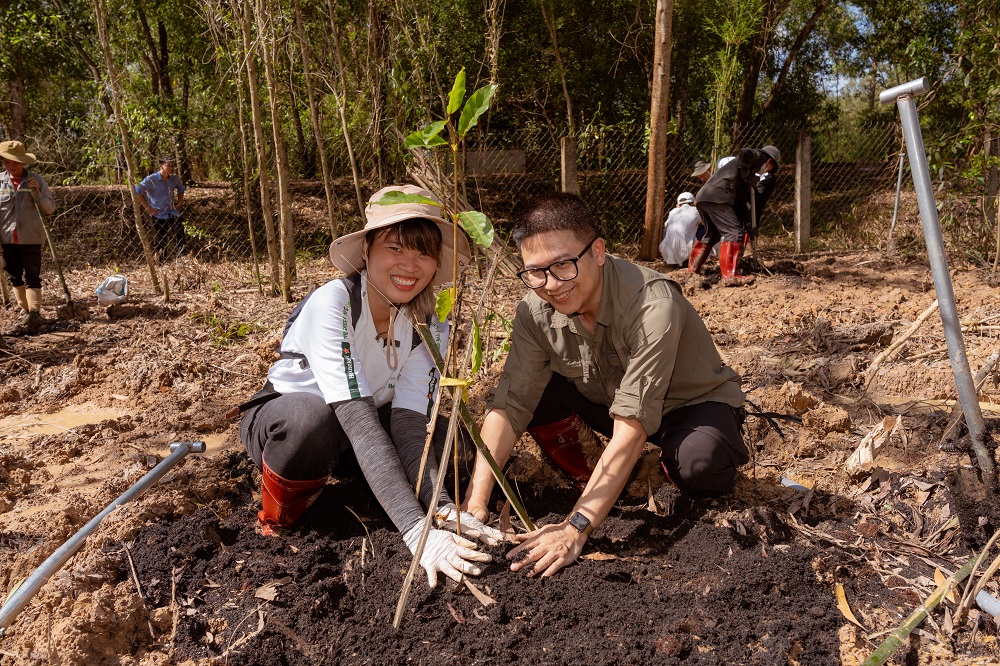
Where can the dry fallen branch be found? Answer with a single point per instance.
(898, 343)
(863, 458)
(946, 443)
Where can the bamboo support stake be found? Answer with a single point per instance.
(896, 639)
(470, 425)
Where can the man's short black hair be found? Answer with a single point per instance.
(167, 159)
(555, 211)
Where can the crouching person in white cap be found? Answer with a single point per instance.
(353, 375)
(679, 230)
(22, 234)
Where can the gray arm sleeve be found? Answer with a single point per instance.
(409, 433)
(379, 461)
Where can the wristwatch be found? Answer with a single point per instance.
(581, 523)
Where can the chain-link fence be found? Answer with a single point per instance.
(852, 169)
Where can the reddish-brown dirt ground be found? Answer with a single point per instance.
(180, 576)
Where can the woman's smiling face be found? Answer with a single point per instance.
(396, 272)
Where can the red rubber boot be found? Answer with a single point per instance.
(571, 445)
(699, 255)
(283, 501)
(729, 257)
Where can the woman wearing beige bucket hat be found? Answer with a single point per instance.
(354, 377)
(22, 233)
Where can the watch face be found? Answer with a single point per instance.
(579, 521)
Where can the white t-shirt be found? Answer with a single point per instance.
(678, 234)
(344, 361)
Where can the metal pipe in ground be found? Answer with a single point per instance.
(903, 97)
(22, 595)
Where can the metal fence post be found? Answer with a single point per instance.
(803, 188)
(968, 396)
(568, 165)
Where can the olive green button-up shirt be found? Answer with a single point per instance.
(649, 354)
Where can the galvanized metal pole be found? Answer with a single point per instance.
(967, 395)
(23, 594)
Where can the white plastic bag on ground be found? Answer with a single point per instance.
(113, 290)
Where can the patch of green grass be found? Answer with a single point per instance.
(224, 333)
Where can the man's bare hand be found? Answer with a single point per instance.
(32, 183)
(547, 550)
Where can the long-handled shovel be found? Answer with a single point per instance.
(71, 310)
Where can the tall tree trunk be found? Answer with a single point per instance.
(339, 93)
(657, 169)
(306, 156)
(100, 17)
(332, 205)
(376, 83)
(793, 52)
(268, 47)
(550, 22)
(242, 9)
(18, 121)
(773, 9)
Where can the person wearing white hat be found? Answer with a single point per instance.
(353, 375)
(679, 230)
(22, 233)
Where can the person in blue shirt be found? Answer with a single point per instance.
(161, 194)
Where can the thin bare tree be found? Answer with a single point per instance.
(242, 12)
(332, 205)
(268, 45)
(101, 17)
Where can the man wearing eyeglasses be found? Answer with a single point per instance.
(601, 344)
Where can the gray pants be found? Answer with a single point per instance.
(299, 436)
(721, 221)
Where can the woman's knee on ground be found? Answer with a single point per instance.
(300, 436)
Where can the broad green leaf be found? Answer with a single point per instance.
(478, 102)
(477, 347)
(478, 227)
(427, 137)
(445, 301)
(393, 197)
(457, 93)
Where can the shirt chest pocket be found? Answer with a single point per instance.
(6, 196)
(569, 368)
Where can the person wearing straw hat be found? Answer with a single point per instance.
(354, 377)
(22, 232)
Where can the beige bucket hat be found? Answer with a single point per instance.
(15, 150)
(346, 252)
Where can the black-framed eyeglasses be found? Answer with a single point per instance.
(562, 270)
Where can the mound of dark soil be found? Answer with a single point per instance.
(650, 589)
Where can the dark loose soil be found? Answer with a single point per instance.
(655, 589)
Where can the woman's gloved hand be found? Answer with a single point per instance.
(445, 519)
(445, 552)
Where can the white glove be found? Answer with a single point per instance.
(445, 552)
(445, 518)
